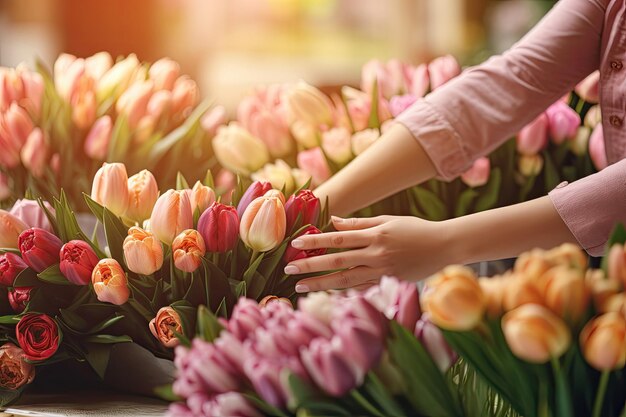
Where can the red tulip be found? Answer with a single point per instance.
(77, 261)
(40, 248)
(254, 191)
(10, 267)
(38, 335)
(305, 205)
(19, 298)
(219, 226)
(293, 254)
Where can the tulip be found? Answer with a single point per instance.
(397, 300)
(300, 178)
(580, 144)
(521, 290)
(442, 70)
(399, 104)
(40, 248)
(308, 104)
(597, 149)
(359, 106)
(245, 319)
(420, 81)
(165, 325)
(319, 305)
(23, 86)
(98, 138)
(187, 250)
(530, 166)
(110, 188)
(263, 224)
(337, 145)
(201, 197)
(219, 227)
(362, 311)
(109, 282)
(305, 206)
(603, 342)
(68, 72)
(389, 83)
(617, 263)
(213, 120)
(171, 215)
(314, 163)
(38, 335)
(232, 404)
(84, 106)
(10, 229)
(254, 191)
(278, 174)
(602, 288)
(34, 154)
(533, 137)
(589, 88)
(454, 299)
(159, 107)
(164, 73)
(328, 364)
(435, 344)
(184, 97)
(31, 213)
(133, 103)
(293, 254)
(19, 297)
(268, 299)
(117, 79)
(616, 303)
(565, 292)
(15, 371)
(568, 254)
(98, 64)
(15, 128)
(5, 189)
(593, 117)
(77, 261)
(478, 174)
(532, 264)
(10, 267)
(494, 290)
(239, 151)
(143, 192)
(363, 140)
(306, 135)
(264, 373)
(563, 122)
(143, 253)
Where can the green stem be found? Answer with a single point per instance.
(371, 410)
(597, 405)
(174, 281)
(254, 257)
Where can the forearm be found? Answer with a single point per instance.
(506, 232)
(395, 162)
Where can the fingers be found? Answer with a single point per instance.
(329, 262)
(339, 240)
(357, 224)
(349, 278)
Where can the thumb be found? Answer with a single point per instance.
(355, 223)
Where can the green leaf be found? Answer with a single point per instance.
(551, 175)
(26, 278)
(108, 339)
(51, 217)
(240, 289)
(209, 327)
(188, 316)
(247, 276)
(430, 203)
(115, 232)
(263, 406)
(381, 396)
(181, 182)
(301, 391)
(53, 275)
(221, 309)
(490, 192)
(96, 208)
(97, 355)
(106, 324)
(166, 393)
(120, 140)
(374, 121)
(74, 322)
(11, 319)
(208, 180)
(465, 201)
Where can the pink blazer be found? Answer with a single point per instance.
(476, 112)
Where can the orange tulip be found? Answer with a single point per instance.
(494, 289)
(454, 299)
(617, 303)
(143, 252)
(163, 326)
(603, 342)
(617, 264)
(109, 282)
(264, 222)
(143, 193)
(532, 264)
(201, 197)
(10, 229)
(188, 249)
(602, 288)
(110, 188)
(565, 292)
(171, 215)
(568, 254)
(535, 334)
(268, 299)
(521, 290)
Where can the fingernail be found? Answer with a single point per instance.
(337, 219)
(291, 270)
(297, 243)
(302, 288)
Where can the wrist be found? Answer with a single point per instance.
(461, 246)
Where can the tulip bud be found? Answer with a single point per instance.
(15, 128)
(116, 80)
(314, 163)
(232, 404)
(306, 135)
(494, 290)
(602, 288)
(219, 227)
(84, 107)
(521, 290)
(597, 148)
(171, 215)
(530, 166)
(19, 297)
(201, 197)
(98, 138)
(617, 263)
(533, 137)
(187, 250)
(397, 300)
(478, 174)
(308, 104)
(435, 344)
(293, 254)
(109, 282)
(163, 326)
(568, 254)
(454, 299)
(143, 193)
(164, 73)
(532, 264)
(268, 299)
(68, 70)
(143, 253)
(535, 334)
(110, 188)
(263, 224)
(213, 120)
(306, 206)
(442, 70)
(278, 174)
(254, 191)
(589, 88)
(133, 103)
(35, 153)
(363, 140)
(388, 77)
(15, 370)
(239, 151)
(40, 248)
(98, 64)
(77, 262)
(336, 143)
(593, 117)
(10, 229)
(617, 303)
(580, 144)
(10, 267)
(564, 122)
(420, 81)
(603, 342)
(399, 104)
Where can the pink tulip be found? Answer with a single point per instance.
(363, 140)
(171, 215)
(442, 70)
(40, 248)
(133, 103)
(10, 267)
(32, 214)
(478, 174)
(254, 191)
(564, 122)
(19, 297)
(15, 128)
(98, 138)
(314, 163)
(589, 88)
(160, 105)
(34, 154)
(264, 373)
(398, 104)
(164, 73)
(435, 344)
(337, 146)
(84, 107)
(68, 71)
(78, 260)
(533, 138)
(219, 226)
(213, 119)
(362, 340)
(246, 318)
(109, 282)
(110, 187)
(597, 150)
(359, 107)
(419, 81)
(232, 404)
(185, 97)
(397, 300)
(10, 229)
(143, 192)
(22, 86)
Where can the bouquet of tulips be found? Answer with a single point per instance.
(56, 128)
(65, 295)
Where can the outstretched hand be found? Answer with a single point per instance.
(405, 247)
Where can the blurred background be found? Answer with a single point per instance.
(228, 46)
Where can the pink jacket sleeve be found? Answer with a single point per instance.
(474, 113)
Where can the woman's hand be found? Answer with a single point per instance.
(405, 247)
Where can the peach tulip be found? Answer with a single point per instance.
(263, 223)
(171, 215)
(617, 303)
(164, 326)
(363, 140)
(521, 290)
(110, 187)
(10, 229)
(133, 103)
(565, 293)
(269, 299)
(239, 151)
(603, 342)
(494, 290)
(532, 264)
(143, 252)
(143, 192)
(202, 197)
(164, 73)
(213, 120)
(602, 288)
(185, 96)
(109, 282)
(117, 79)
(617, 264)
(597, 148)
(308, 104)
(187, 250)
(568, 254)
